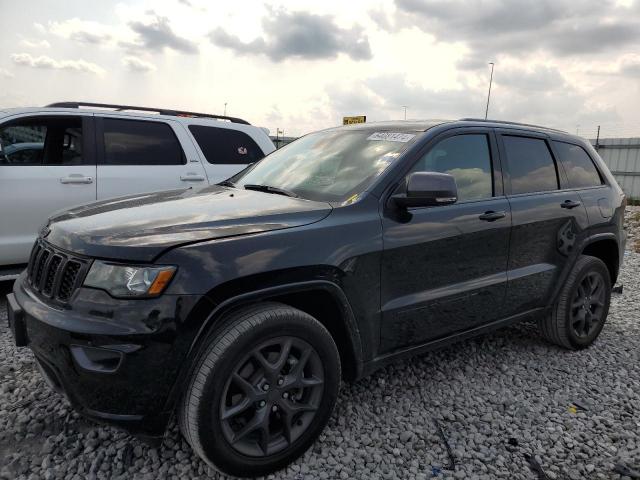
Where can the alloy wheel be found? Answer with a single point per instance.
(588, 304)
(272, 396)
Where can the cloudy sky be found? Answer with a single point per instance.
(302, 65)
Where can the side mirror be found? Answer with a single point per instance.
(427, 189)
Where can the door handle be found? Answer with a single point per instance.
(77, 179)
(192, 177)
(570, 204)
(492, 216)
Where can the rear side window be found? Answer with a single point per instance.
(531, 165)
(42, 141)
(137, 142)
(467, 159)
(580, 169)
(225, 145)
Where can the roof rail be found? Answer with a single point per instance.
(161, 111)
(510, 123)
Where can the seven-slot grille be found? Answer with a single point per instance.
(53, 273)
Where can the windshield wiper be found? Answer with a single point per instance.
(227, 183)
(270, 189)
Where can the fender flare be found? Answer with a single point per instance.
(236, 301)
(597, 237)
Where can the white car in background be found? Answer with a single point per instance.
(72, 153)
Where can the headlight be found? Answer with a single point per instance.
(129, 281)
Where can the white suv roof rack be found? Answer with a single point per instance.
(161, 111)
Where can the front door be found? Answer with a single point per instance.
(444, 268)
(47, 163)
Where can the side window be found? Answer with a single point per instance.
(580, 169)
(138, 142)
(467, 158)
(531, 165)
(42, 141)
(225, 145)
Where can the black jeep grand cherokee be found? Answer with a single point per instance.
(240, 307)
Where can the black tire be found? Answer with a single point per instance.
(566, 325)
(238, 349)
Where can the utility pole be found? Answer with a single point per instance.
(225, 109)
(405, 111)
(598, 138)
(486, 112)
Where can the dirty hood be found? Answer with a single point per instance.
(141, 227)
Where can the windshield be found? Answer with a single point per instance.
(331, 166)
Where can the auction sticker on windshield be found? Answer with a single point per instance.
(391, 136)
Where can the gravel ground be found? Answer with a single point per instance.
(632, 218)
(507, 385)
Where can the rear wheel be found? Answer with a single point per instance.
(262, 391)
(579, 314)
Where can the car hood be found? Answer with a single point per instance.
(140, 227)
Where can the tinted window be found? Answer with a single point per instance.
(579, 166)
(42, 141)
(531, 165)
(467, 159)
(134, 142)
(226, 146)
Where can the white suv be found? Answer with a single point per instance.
(72, 153)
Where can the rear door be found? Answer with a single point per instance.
(140, 155)
(47, 163)
(547, 220)
(226, 150)
(444, 268)
(584, 176)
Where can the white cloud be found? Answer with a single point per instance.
(35, 43)
(136, 64)
(5, 73)
(45, 62)
(40, 27)
(156, 34)
(299, 35)
(83, 31)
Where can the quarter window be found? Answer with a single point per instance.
(135, 142)
(531, 166)
(226, 145)
(42, 141)
(467, 158)
(580, 169)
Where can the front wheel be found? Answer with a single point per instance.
(262, 391)
(579, 314)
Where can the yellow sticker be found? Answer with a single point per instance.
(351, 199)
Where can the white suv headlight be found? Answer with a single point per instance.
(129, 280)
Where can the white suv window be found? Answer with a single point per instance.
(42, 141)
(137, 142)
(226, 145)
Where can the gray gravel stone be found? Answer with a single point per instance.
(509, 384)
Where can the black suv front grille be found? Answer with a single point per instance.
(55, 274)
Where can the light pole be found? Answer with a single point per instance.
(405, 111)
(486, 112)
(225, 109)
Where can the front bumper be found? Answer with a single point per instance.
(115, 360)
